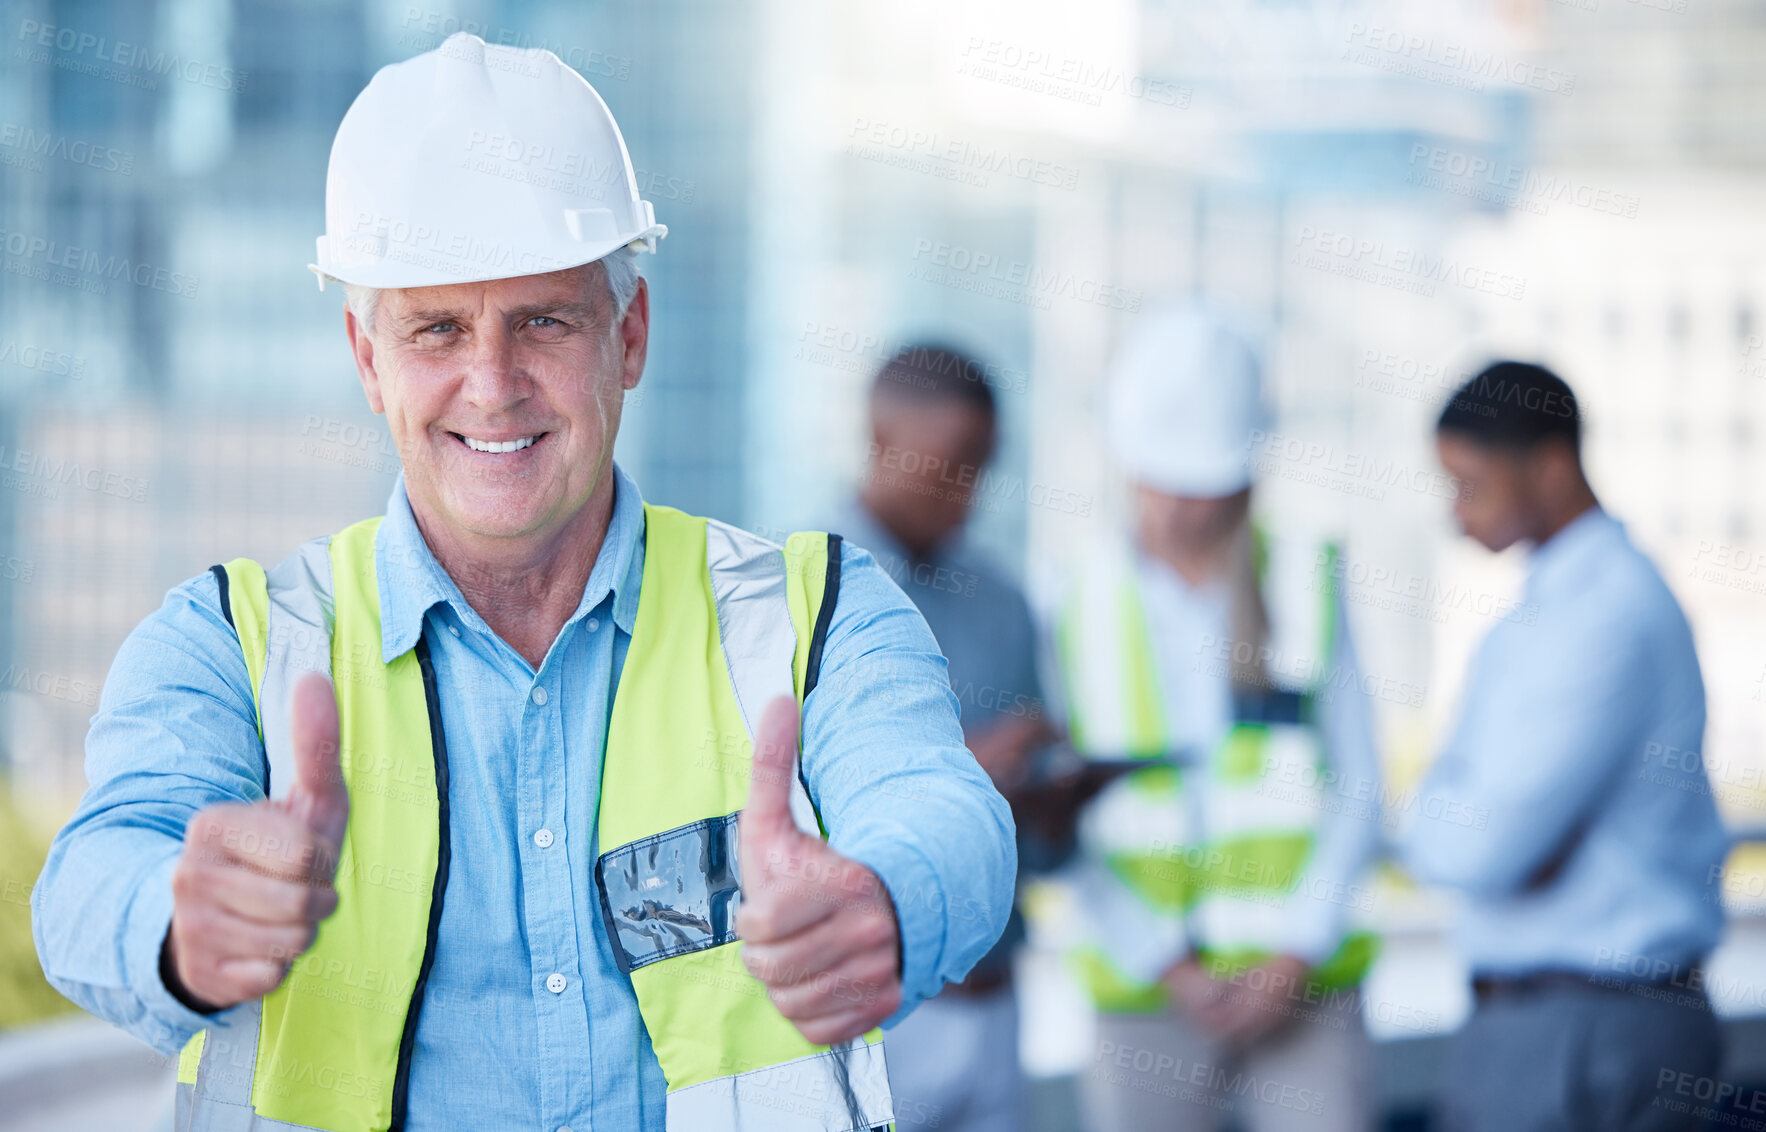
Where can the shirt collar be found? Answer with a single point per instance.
(1566, 554)
(412, 582)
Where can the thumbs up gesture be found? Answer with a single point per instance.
(254, 881)
(818, 929)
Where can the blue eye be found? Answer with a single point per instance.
(544, 318)
(441, 327)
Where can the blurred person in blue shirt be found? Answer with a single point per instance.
(954, 1062)
(1561, 808)
(491, 873)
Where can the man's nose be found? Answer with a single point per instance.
(494, 376)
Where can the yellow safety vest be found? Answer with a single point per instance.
(1206, 857)
(726, 621)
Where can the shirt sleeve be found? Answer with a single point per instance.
(1536, 745)
(1348, 829)
(175, 732)
(896, 787)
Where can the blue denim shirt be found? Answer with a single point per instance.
(495, 1047)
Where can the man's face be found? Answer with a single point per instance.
(503, 397)
(1495, 499)
(1166, 520)
(932, 453)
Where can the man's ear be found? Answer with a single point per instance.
(362, 347)
(1556, 468)
(634, 332)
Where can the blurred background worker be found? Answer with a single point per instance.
(1585, 852)
(954, 1062)
(1218, 877)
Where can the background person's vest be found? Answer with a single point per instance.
(1208, 856)
(726, 621)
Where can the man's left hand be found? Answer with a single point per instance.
(818, 929)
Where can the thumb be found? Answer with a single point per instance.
(766, 819)
(319, 797)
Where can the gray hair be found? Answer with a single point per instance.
(619, 268)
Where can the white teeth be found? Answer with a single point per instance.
(498, 445)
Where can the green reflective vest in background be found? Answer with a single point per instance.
(1205, 856)
(726, 621)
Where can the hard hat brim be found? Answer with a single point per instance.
(389, 275)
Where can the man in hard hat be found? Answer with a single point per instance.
(1569, 806)
(954, 1063)
(491, 874)
(1210, 661)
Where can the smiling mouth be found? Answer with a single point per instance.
(497, 446)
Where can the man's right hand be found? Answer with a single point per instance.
(254, 881)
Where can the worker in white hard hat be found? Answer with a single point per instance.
(1205, 662)
(528, 804)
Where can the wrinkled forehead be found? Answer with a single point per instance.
(578, 288)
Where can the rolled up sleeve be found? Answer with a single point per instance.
(175, 732)
(898, 790)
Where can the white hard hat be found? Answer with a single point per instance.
(1184, 398)
(477, 161)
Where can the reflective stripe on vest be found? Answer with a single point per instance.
(1209, 856)
(725, 621)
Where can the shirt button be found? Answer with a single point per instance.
(564, 1128)
(555, 983)
(542, 838)
(539, 696)
(594, 623)
(454, 629)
